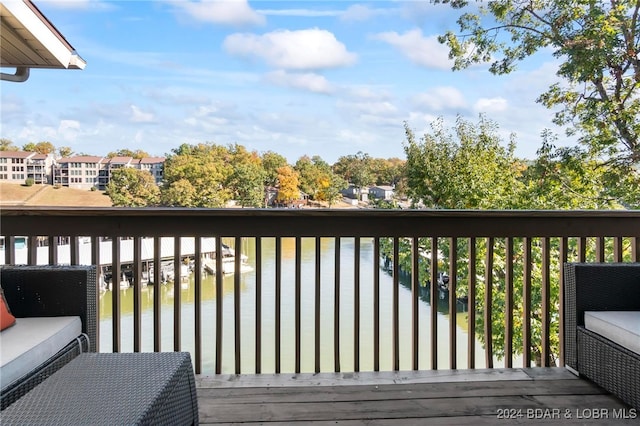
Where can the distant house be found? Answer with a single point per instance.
(271, 198)
(18, 166)
(381, 192)
(85, 171)
(356, 193)
(155, 166)
(80, 171)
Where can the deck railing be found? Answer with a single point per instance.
(506, 264)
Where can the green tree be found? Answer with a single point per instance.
(246, 184)
(7, 145)
(180, 193)
(271, 162)
(387, 171)
(65, 151)
(196, 175)
(331, 186)
(129, 187)
(355, 169)
(467, 169)
(569, 179)
(125, 152)
(597, 42)
(470, 168)
(40, 147)
(318, 180)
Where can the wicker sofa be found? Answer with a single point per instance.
(591, 290)
(55, 293)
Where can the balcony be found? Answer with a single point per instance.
(332, 315)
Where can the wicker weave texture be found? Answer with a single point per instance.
(610, 365)
(596, 287)
(20, 388)
(601, 287)
(113, 389)
(53, 290)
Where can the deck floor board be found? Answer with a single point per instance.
(540, 397)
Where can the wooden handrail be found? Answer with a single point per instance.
(517, 236)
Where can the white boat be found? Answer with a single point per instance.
(124, 283)
(228, 265)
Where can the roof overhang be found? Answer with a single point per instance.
(29, 40)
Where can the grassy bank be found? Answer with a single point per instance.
(12, 194)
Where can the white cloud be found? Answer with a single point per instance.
(301, 50)
(311, 82)
(358, 12)
(370, 108)
(300, 13)
(440, 99)
(225, 12)
(68, 130)
(491, 105)
(423, 51)
(139, 116)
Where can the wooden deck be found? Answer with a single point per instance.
(462, 397)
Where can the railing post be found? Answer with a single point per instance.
(488, 304)
(317, 295)
(356, 304)
(471, 305)
(508, 312)
(526, 304)
(157, 300)
(415, 294)
(434, 302)
(395, 328)
(219, 284)
(258, 292)
(177, 293)
(546, 315)
(453, 309)
(278, 285)
(336, 307)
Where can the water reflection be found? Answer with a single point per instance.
(247, 303)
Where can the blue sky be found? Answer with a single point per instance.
(310, 77)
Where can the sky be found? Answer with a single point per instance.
(327, 78)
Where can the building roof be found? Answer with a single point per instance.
(121, 160)
(30, 40)
(152, 160)
(81, 159)
(16, 154)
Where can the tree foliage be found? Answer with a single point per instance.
(246, 181)
(129, 187)
(598, 44)
(468, 168)
(289, 186)
(65, 151)
(195, 176)
(318, 180)
(355, 169)
(126, 152)
(40, 147)
(271, 162)
(7, 145)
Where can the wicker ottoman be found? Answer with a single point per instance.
(113, 389)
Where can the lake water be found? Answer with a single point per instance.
(247, 297)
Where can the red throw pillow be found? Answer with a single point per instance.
(6, 319)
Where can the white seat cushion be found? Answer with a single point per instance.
(622, 327)
(32, 341)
